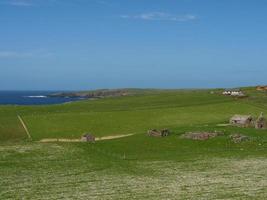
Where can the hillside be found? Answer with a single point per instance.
(137, 166)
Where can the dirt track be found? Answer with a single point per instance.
(79, 140)
(24, 127)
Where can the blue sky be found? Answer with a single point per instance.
(89, 44)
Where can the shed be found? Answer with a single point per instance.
(157, 133)
(88, 138)
(261, 88)
(261, 122)
(241, 120)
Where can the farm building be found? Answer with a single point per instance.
(241, 120)
(261, 122)
(234, 92)
(88, 138)
(156, 133)
(262, 88)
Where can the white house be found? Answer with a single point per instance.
(233, 93)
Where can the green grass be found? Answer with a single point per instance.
(134, 114)
(11, 129)
(72, 125)
(135, 167)
(138, 166)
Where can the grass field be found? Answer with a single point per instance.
(134, 167)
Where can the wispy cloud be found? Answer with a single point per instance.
(161, 16)
(13, 54)
(103, 2)
(17, 54)
(23, 3)
(29, 3)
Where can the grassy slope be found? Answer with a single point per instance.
(125, 115)
(10, 127)
(136, 167)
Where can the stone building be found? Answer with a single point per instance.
(241, 120)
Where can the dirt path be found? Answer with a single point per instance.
(113, 137)
(79, 140)
(223, 125)
(25, 127)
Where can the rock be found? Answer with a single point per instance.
(238, 138)
(201, 135)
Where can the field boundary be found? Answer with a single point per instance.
(24, 127)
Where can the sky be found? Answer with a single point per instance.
(92, 44)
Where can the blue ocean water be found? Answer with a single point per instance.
(31, 98)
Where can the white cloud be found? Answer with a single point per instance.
(161, 16)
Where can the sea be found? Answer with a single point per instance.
(32, 98)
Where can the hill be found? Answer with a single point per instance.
(137, 166)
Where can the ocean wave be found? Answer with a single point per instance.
(38, 96)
